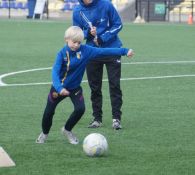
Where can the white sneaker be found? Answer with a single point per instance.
(116, 124)
(71, 137)
(42, 138)
(95, 124)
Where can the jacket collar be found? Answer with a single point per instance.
(70, 51)
(93, 3)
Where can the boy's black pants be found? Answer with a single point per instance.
(95, 74)
(53, 99)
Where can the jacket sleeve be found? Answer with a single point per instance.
(56, 73)
(77, 22)
(115, 24)
(95, 52)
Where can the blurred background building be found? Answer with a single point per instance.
(130, 10)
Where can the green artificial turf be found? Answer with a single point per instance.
(158, 109)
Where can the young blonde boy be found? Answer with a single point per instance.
(67, 74)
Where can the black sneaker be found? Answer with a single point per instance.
(95, 124)
(116, 124)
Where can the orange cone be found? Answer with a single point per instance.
(190, 19)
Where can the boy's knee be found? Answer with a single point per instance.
(80, 110)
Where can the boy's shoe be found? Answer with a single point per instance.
(95, 124)
(71, 137)
(42, 138)
(116, 124)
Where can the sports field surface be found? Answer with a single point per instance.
(158, 84)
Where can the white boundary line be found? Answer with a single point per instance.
(19, 72)
(84, 81)
(161, 62)
(122, 79)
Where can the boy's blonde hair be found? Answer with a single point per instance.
(74, 33)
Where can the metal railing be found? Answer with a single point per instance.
(148, 10)
(165, 10)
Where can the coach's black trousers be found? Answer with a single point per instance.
(95, 74)
(53, 100)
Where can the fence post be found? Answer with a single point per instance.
(9, 10)
(168, 7)
(192, 9)
(148, 10)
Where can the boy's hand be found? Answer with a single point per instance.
(130, 53)
(64, 92)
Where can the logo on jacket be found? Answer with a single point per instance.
(118, 61)
(102, 20)
(78, 55)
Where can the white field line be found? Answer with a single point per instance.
(161, 62)
(19, 72)
(122, 79)
(84, 81)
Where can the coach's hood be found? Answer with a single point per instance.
(93, 3)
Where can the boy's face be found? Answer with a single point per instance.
(87, 2)
(73, 45)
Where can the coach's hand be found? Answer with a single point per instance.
(93, 31)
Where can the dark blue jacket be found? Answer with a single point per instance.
(69, 67)
(103, 15)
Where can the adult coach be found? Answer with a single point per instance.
(101, 23)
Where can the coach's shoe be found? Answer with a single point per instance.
(71, 137)
(42, 138)
(95, 124)
(116, 124)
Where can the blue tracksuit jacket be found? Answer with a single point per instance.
(69, 66)
(102, 15)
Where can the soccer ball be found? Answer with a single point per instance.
(95, 145)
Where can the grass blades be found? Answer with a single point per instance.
(158, 113)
